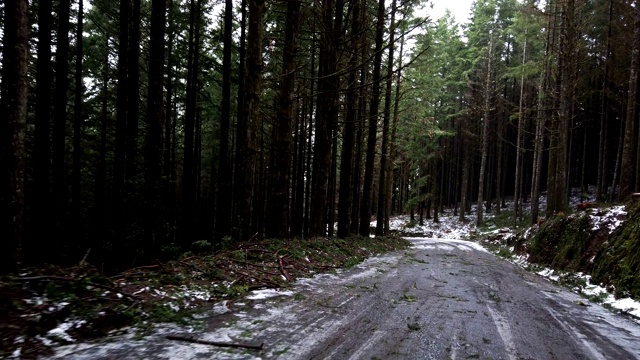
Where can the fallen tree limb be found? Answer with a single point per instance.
(215, 343)
(283, 271)
(257, 265)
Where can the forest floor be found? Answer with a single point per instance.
(42, 308)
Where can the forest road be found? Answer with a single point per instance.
(441, 299)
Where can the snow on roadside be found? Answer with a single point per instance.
(611, 218)
(594, 292)
(449, 227)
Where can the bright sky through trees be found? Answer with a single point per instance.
(460, 9)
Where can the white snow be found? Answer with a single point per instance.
(450, 232)
(268, 293)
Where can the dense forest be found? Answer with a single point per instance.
(134, 130)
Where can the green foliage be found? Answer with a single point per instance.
(504, 219)
(201, 247)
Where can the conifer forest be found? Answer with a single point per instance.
(133, 130)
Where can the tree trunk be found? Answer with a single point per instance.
(629, 148)
(188, 165)
(13, 118)
(485, 133)
(520, 137)
(246, 163)
(169, 168)
(365, 207)
(77, 121)
(224, 198)
(384, 156)
(133, 102)
(345, 198)
(325, 116)
(59, 189)
(390, 164)
(119, 166)
(278, 210)
(42, 165)
(101, 170)
(153, 138)
(601, 182)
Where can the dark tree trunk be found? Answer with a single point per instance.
(629, 147)
(325, 116)
(169, 187)
(223, 205)
(278, 210)
(121, 126)
(153, 138)
(362, 109)
(345, 198)
(392, 151)
(601, 182)
(59, 189)
(101, 169)
(307, 190)
(42, 164)
(13, 118)
(247, 125)
(520, 136)
(77, 122)
(486, 123)
(133, 102)
(384, 156)
(365, 207)
(188, 167)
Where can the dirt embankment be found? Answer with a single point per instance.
(598, 242)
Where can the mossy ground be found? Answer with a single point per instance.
(569, 243)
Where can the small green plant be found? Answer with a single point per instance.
(201, 247)
(414, 326)
(351, 262)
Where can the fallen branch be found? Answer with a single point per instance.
(263, 282)
(257, 265)
(283, 270)
(215, 343)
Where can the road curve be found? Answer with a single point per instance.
(441, 299)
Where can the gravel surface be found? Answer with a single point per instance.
(441, 299)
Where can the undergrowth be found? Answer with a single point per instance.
(92, 305)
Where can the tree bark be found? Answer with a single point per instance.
(601, 181)
(77, 121)
(325, 117)
(153, 138)
(384, 156)
(42, 159)
(485, 132)
(629, 147)
(520, 136)
(59, 189)
(365, 207)
(224, 198)
(278, 206)
(13, 118)
(246, 168)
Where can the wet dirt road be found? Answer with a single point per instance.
(441, 299)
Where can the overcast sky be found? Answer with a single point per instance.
(459, 8)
